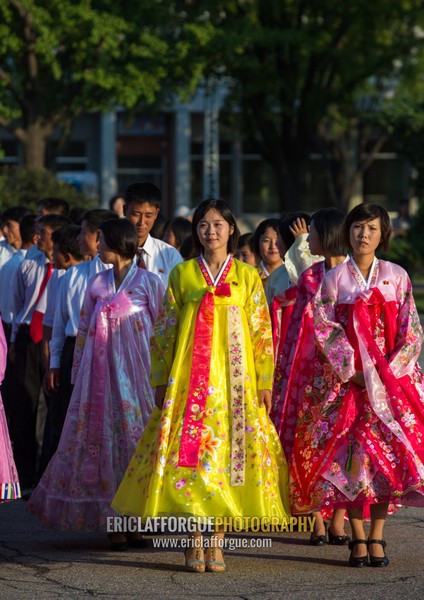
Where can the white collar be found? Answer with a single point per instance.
(264, 269)
(216, 279)
(148, 245)
(370, 276)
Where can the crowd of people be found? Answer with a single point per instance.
(207, 373)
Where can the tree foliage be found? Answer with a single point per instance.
(59, 59)
(300, 71)
(26, 187)
(331, 78)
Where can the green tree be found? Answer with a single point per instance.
(59, 59)
(298, 71)
(22, 186)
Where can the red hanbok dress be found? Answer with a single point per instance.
(296, 356)
(358, 446)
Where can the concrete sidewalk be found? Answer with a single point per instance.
(38, 563)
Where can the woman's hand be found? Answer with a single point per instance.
(298, 227)
(358, 379)
(160, 393)
(265, 400)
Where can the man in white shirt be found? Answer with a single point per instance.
(25, 352)
(12, 248)
(7, 310)
(66, 254)
(11, 218)
(142, 206)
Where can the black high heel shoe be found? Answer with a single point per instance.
(357, 561)
(378, 561)
(317, 540)
(338, 540)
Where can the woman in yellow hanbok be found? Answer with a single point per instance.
(212, 451)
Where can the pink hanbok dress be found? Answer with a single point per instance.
(358, 446)
(110, 405)
(281, 311)
(296, 357)
(9, 483)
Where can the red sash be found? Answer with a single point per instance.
(200, 368)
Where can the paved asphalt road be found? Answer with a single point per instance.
(40, 564)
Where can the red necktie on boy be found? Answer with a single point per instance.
(36, 326)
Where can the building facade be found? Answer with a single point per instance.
(190, 155)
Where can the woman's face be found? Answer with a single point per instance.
(106, 254)
(169, 238)
(268, 247)
(365, 237)
(214, 231)
(246, 255)
(313, 239)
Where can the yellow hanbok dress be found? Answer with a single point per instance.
(211, 451)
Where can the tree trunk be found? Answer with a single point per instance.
(34, 141)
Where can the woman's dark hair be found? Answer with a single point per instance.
(247, 239)
(368, 212)
(186, 249)
(285, 224)
(328, 223)
(120, 236)
(260, 230)
(181, 228)
(223, 209)
(159, 225)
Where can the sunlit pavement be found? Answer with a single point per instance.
(39, 563)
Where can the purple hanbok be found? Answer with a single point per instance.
(9, 484)
(110, 405)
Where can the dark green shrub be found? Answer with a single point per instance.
(26, 187)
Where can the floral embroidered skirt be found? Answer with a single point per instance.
(344, 455)
(155, 484)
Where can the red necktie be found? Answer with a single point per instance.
(140, 258)
(36, 326)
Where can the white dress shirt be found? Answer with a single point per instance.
(7, 275)
(6, 252)
(160, 258)
(33, 252)
(47, 303)
(26, 288)
(69, 303)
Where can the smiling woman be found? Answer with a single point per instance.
(212, 449)
(266, 247)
